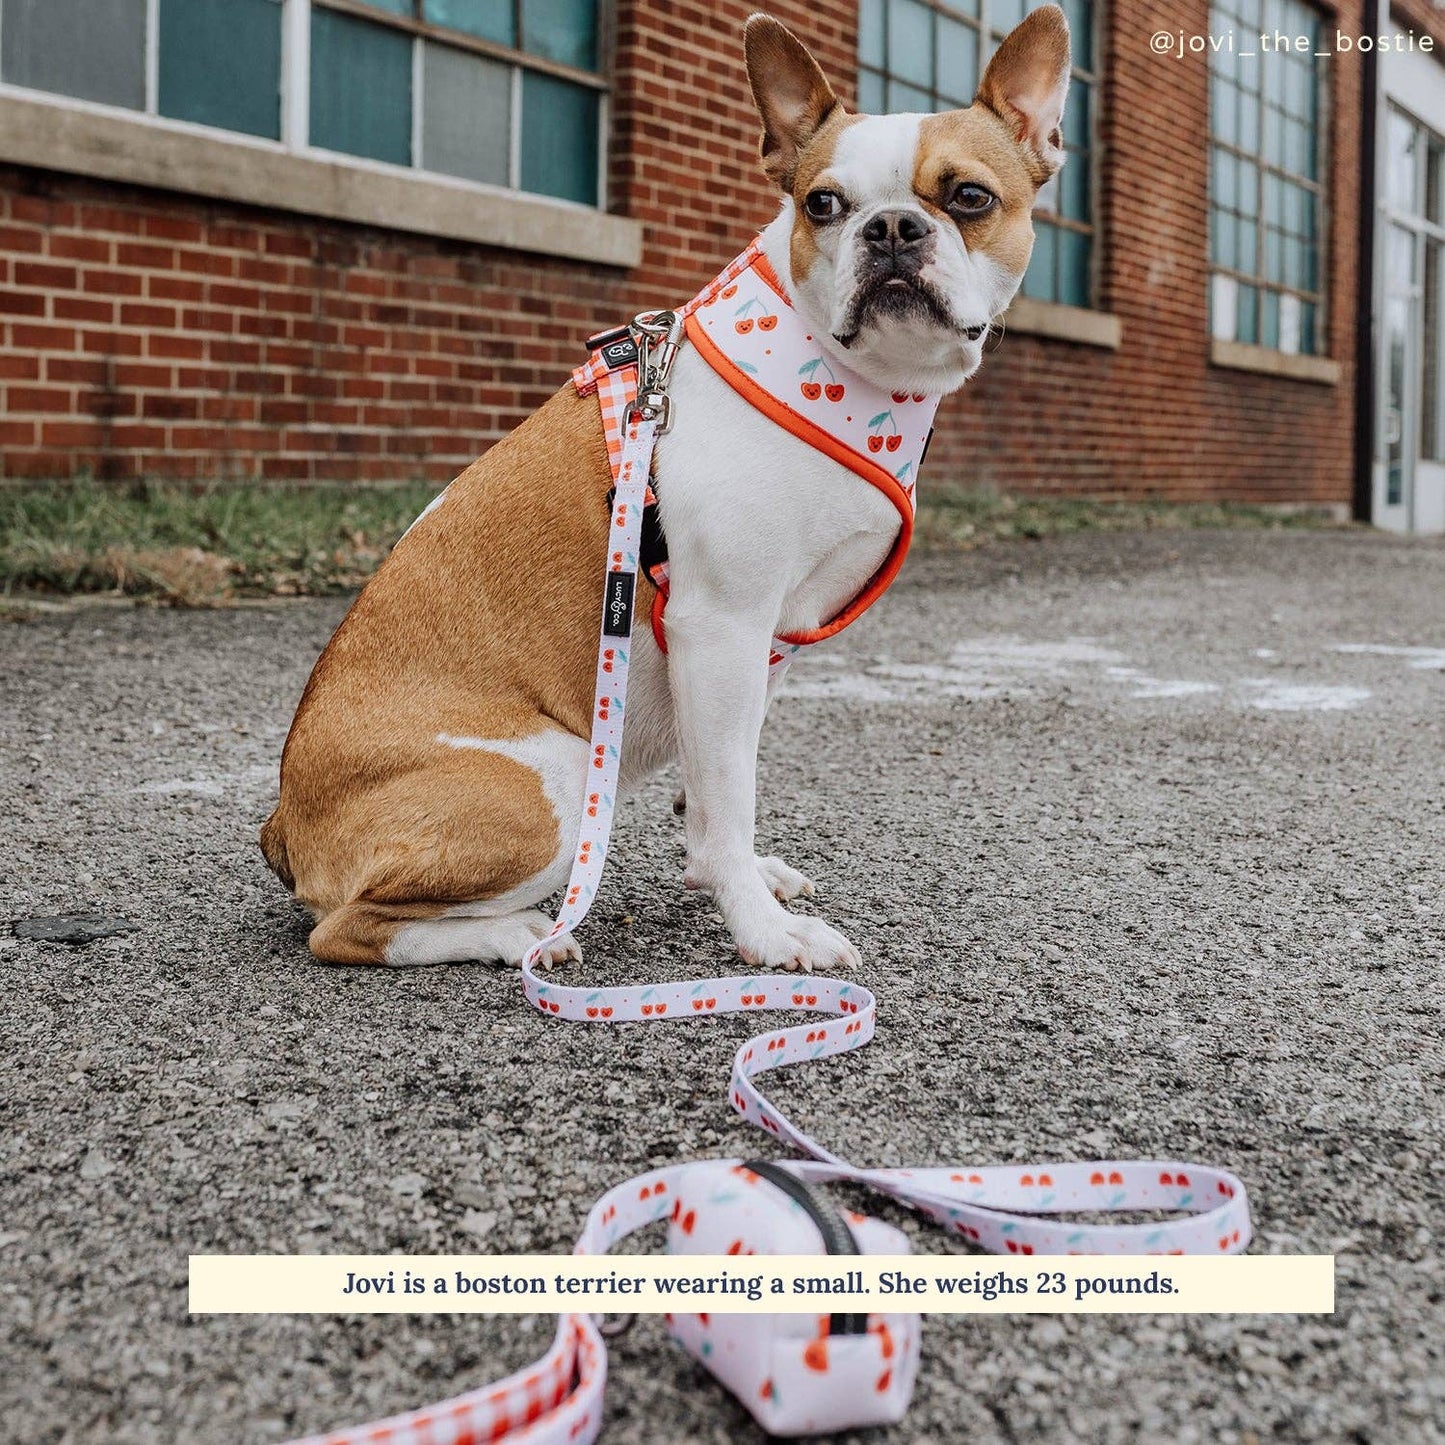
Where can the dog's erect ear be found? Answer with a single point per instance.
(1025, 85)
(792, 95)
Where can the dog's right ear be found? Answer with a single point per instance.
(792, 94)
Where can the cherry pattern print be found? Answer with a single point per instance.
(809, 393)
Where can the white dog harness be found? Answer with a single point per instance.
(745, 327)
(1013, 1209)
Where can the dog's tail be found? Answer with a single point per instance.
(273, 847)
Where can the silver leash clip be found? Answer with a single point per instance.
(659, 335)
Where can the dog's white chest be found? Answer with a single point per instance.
(748, 504)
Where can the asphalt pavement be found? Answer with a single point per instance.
(1142, 838)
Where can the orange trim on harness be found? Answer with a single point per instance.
(829, 445)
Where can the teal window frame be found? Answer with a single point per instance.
(1268, 170)
(1064, 268)
(563, 46)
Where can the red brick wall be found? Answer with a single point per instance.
(153, 334)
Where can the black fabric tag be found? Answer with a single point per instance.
(616, 347)
(617, 604)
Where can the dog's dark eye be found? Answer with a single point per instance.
(971, 200)
(824, 205)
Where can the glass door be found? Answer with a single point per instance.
(1409, 480)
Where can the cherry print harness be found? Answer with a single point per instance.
(1012, 1209)
(744, 326)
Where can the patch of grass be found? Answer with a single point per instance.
(204, 546)
(198, 546)
(964, 517)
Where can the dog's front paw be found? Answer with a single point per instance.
(784, 882)
(798, 943)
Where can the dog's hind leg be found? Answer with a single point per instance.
(395, 935)
(447, 860)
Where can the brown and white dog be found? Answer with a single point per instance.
(432, 782)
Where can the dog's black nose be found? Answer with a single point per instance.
(890, 232)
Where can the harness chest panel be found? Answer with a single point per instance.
(744, 326)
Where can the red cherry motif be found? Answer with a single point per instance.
(766, 323)
(900, 396)
(797, 998)
(744, 326)
(647, 1010)
(893, 442)
(607, 1013)
(661, 1008)
(815, 1355)
(766, 1392)
(884, 1380)
(875, 444)
(729, 292)
(592, 1011)
(834, 392)
(918, 396)
(812, 390)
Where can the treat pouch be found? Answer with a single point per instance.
(797, 1374)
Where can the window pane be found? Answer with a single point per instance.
(1289, 324)
(1269, 330)
(1221, 239)
(1223, 186)
(466, 114)
(1248, 193)
(1402, 139)
(1222, 306)
(1244, 315)
(870, 33)
(559, 138)
(1246, 235)
(1076, 115)
(910, 44)
(1309, 338)
(1074, 188)
(1003, 15)
(870, 91)
(1073, 268)
(1039, 278)
(561, 30)
(360, 87)
(957, 59)
(1273, 256)
(1222, 109)
(220, 64)
(907, 97)
(1081, 31)
(486, 19)
(76, 47)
